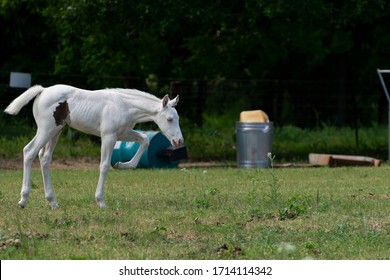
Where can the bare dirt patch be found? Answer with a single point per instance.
(63, 163)
(93, 163)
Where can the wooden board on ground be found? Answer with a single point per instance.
(342, 160)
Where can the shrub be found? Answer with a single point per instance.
(215, 140)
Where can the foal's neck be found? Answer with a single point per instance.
(141, 100)
(145, 105)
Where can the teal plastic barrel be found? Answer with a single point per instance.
(152, 156)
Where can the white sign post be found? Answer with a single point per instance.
(19, 80)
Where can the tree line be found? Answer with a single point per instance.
(220, 55)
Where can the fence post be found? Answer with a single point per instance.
(380, 72)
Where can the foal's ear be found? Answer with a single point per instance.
(174, 101)
(165, 101)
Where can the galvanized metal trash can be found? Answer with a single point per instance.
(253, 143)
(159, 154)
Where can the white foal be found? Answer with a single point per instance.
(108, 113)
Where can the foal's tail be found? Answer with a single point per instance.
(22, 100)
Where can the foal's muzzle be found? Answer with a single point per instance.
(177, 142)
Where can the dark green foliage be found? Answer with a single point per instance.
(306, 53)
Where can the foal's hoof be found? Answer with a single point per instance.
(22, 204)
(102, 205)
(55, 206)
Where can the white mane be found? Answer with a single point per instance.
(135, 93)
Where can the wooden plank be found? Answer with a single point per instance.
(319, 159)
(343, 160)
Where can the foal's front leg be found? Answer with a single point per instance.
(108, 143)
(134, 136)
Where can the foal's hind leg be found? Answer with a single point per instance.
(30, 152)
(45, 157)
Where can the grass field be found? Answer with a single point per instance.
(217, 213)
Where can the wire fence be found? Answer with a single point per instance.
(303, 103)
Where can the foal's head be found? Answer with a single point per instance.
(168, 121)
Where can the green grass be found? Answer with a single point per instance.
(84, 146)
(318, 213)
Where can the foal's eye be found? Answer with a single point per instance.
(169, 119)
